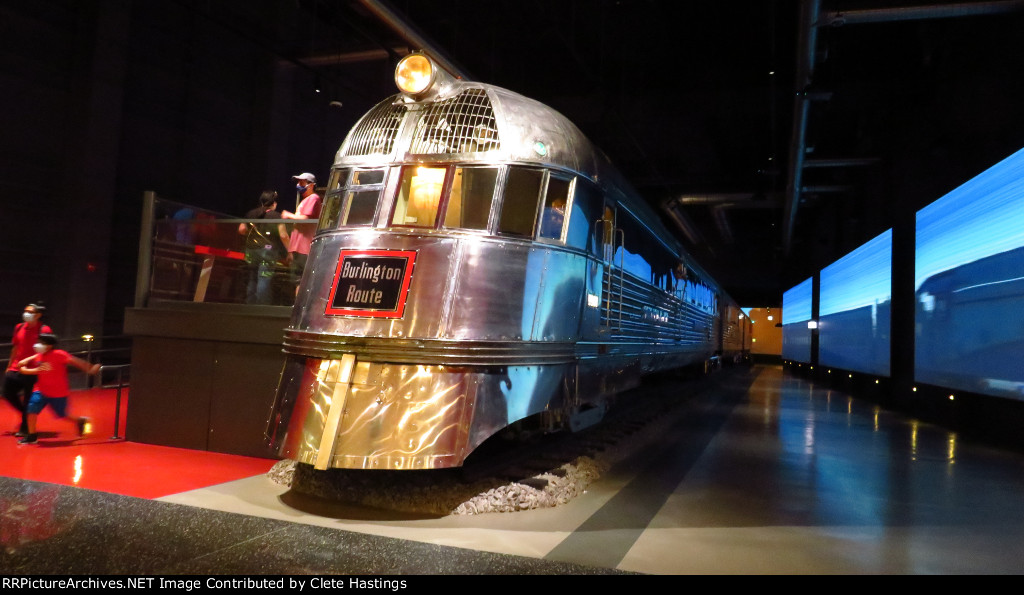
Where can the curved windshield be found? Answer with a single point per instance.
(419, 194)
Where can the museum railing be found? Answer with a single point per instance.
(190, 254)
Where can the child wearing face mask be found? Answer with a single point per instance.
(49, 365)
(17, 386)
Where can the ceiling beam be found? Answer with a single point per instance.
(840, 162)
(839, 18)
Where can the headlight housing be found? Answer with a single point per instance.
(415, 74)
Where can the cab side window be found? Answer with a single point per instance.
(351, 201)
(469, 202)
(519, 207)
(360, 207)
(554, 213)
(331, 210)
(583, 225)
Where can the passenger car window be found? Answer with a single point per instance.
(469, 202)
(642, 254)
(519, 207)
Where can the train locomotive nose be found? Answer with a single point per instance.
(367, 415)
(478, 265)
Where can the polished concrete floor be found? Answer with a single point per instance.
(762, 473)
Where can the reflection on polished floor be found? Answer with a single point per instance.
(763, 473)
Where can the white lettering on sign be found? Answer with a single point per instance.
(372, 273)
(363, 296)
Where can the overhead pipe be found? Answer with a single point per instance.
(722, 222)
(729, 200)
(823, 189)
(400, 25)
(683, 223)
(806, 43)
(713, 198)
(840, 162)
(839, 18)
(353, 57)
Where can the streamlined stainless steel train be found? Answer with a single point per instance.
(479, 265)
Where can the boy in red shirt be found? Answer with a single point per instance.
(17, 386)
(50, 367)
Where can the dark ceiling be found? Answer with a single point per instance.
(696, 102)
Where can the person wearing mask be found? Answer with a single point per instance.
(17, 386)
(50, 366)
(264, 248)
(554, 216)
(302, 235)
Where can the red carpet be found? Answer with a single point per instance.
(104, 463)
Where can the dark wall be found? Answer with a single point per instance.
(55, 195)
(105, 99)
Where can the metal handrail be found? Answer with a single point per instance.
(5, 348)
(117, 405)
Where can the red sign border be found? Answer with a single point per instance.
(403, 293)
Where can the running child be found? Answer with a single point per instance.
(50, 366)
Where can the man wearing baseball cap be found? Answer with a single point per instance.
(302, 235)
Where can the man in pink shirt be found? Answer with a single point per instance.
(17, 386)
(49, 365)
(302, 235)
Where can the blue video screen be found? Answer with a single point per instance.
(796, 312)
(969, 282)
(854, 309)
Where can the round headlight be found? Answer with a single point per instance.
(414, 74)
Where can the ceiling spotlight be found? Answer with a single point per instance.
(335, 104)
